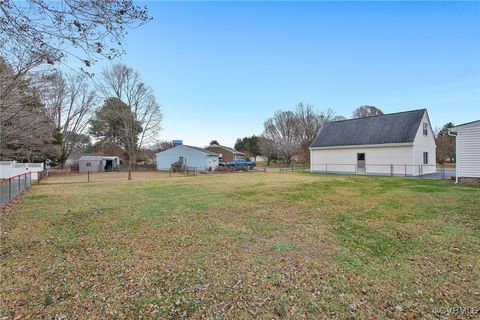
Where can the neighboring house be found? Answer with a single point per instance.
(97, 164)
(188, 156)
(226, 154)
(73, 158)
(467, 150)
(392, 144)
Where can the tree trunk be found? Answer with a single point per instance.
(132, 159)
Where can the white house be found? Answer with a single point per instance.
(392, 144)
(467, 149)
(188, 156)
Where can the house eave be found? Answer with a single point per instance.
(382, 145)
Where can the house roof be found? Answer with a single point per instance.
(203, 150)
(192, 147)
(95, 158)
(400, 127)
(232, 150)
(91, 158)
(464, 124)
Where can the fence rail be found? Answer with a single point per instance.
(11, 187)
(406, 170)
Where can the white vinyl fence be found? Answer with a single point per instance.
(16, 177)
(10, 169)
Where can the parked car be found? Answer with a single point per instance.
(245, 163)
(222, 164)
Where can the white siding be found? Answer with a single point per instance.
(10, 169)
(377, 158)
(192, 158)
(423, 144)
(468, 150)
(95, 166)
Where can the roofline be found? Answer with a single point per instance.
(193, 148)
(464, 124)
(380, 115)
(226, 148)
(380, 145)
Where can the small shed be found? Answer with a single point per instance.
(188, 156)
(467, 150)
(98, 164)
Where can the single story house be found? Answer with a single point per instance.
(97, 164)
(392, 144)
(188, 156)
(467, 148)
(226, 154)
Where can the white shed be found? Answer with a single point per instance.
(188, 156)
(97, 164)
(392, 144)
(467, 149)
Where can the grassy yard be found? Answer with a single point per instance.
(256, 245)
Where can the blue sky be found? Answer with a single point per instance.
(219, 69)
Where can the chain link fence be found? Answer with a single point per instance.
(10, 188)
(405, 170)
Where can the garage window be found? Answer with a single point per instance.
(88, 164)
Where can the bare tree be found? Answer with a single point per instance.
(281, 129)
(366, 111)
(267, 148)
(308, 124)
(143, 112)
(70, 102)
(54, 30)
(292, 132)
(162, 146)
(445, 144)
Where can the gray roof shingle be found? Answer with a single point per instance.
(201, 150)
(400, 127)
(232, 150)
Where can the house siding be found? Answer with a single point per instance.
(192, 158)
(423, 144)
(468, 150)
(96, 166)
(377, 158)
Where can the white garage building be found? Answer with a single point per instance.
(188, 156)
(392, 144)
(467, 150)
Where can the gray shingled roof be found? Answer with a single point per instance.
(95, 158)
(90, 158)
(202, 150)
(227, 148)
(398, 127)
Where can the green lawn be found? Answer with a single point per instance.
(245, 245)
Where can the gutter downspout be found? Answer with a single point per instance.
(454, 134)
